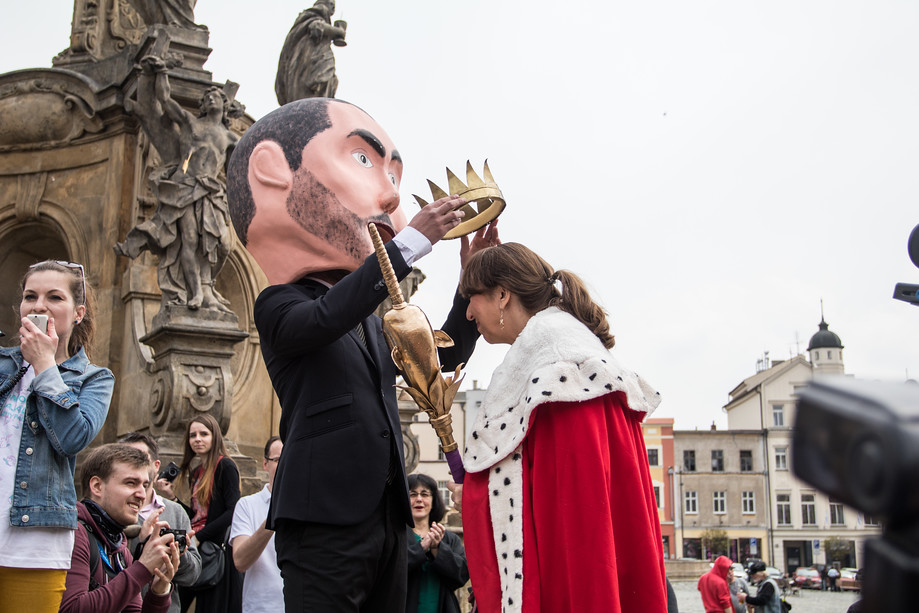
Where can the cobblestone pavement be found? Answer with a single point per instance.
(808, 601)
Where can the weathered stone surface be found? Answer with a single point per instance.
(73, 182)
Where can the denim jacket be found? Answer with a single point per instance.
(65, 410)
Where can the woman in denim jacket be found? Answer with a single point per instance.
(53, 402)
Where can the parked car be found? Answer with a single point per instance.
(849, 579)
(807, 578)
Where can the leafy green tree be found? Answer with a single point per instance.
(715, 542)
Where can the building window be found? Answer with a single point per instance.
(717, 461)
(871, 520)
(747, 503)
(690, 503)
(653, 457)
(829, 355)
(689, 461)
(778, 415)
(746, 461)
(837, 517)
(808, 510)
(444, 493)
(657, 495)
(718, 503)
(781, 458)
(440, 454)
(783, 509)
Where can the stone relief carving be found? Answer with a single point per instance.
(44, 109)
(306, 68)
(189, 230)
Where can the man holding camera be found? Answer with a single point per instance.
(172, 513)
(103, 576)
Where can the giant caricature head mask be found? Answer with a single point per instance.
(304, 181)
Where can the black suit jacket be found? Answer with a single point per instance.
(339, 416)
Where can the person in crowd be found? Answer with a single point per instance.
(738, 585)
(253, 544)
(714, 587)
(104, 577)
(436, 558)
(53, 402)
(303, 183)
(558, 507)
(832, 575)
(212, 481)
(768, 596)
(172, 513)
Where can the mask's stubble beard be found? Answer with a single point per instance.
(317, 210)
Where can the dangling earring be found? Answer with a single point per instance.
(501, 318)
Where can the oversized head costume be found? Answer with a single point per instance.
(303, 183)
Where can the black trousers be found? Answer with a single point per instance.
(347, 569)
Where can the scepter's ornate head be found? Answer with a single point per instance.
(485, 195)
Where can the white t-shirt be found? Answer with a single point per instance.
(262, 586)
(19, 546)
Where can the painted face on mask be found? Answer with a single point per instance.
(317, 219)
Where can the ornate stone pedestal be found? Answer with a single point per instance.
(192, 375)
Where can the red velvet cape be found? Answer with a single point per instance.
(591, 533)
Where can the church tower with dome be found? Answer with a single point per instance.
(825, 351)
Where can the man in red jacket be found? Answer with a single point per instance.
(716, 595)
(103, 576)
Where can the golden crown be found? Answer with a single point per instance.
(486, 195)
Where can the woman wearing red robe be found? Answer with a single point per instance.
(558, 507)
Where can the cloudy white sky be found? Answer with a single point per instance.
(712, 169)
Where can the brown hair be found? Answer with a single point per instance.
(100, 462)
(530, 278)
(142, 437)
(81, 335)
(204, 487)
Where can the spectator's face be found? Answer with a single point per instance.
(421, 499)
(122, 494)
(271, 462)
(200, 438)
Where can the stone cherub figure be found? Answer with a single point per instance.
(306, 68)
(189, 230)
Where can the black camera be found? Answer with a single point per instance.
(179, 535)
(858, 441)
(170, 472)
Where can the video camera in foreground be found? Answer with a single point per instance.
(858, 441)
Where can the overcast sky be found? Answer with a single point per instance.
(712, 169)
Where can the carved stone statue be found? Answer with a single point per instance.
(306, 68)
(167, 12)
(189, 230)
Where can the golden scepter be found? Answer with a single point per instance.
(413, 343)
(408, 332)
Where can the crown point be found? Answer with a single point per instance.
(421, 201)
(436, 192)
(456, 186)
(487, 173)
(472, 179)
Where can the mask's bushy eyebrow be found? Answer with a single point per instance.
(371, 140)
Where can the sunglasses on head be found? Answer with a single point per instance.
(71, 266)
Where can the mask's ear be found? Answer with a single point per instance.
(268, 167)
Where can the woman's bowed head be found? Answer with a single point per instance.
(59, 291)
(507, 284)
